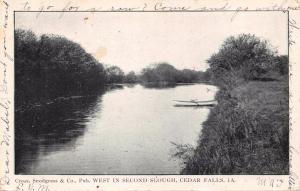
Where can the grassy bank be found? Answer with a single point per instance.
(246, 133)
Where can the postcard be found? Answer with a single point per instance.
(149, 95)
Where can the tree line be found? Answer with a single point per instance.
(155, 73)
(49, 66)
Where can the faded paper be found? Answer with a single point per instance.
(11, 181)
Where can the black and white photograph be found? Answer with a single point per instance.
(151, 93)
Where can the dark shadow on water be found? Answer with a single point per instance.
(159, 85)
(51, 127)
(154, 85)
(112, 87)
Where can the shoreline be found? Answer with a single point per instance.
(246, 133)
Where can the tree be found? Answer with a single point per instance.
(245, 56)
(162, 72)
(166, 73)
(114, 74)
(52, 66)
(190, 76)
(148, 74)
(282, 64)
(131, 77)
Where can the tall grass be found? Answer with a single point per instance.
(246, 133)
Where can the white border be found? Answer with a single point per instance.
(9, 181)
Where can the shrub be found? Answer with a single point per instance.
(246, 55)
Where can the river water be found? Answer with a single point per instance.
(125, 130)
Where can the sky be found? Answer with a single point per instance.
(134, 40)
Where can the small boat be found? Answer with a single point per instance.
(195, 103)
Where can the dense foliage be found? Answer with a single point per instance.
(114, 74)
(282, 65)
(162, 73)
(166, 73)
(131, 77)
(245, 57)
(247, 132)
(52, 66)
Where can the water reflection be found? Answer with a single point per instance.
(51, 127)
(126, 129)
(159, 85)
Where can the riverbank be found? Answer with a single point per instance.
(246, 133)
